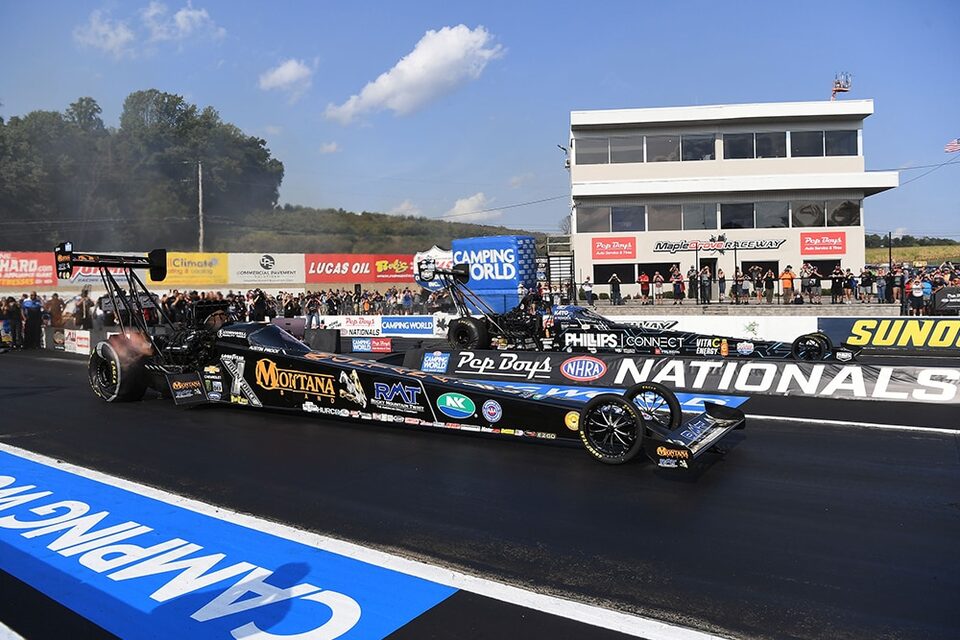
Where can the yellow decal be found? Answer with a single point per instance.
(271, 377)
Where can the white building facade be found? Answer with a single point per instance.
(773, 185)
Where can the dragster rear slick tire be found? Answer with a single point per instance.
(656, 403)
(611, 429)
(114, 378)
(468, 333)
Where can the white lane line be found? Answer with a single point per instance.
(625, 623)
(851, 423)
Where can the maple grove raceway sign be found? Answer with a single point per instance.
(718, 244)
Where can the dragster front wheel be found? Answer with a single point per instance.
(115, 373)
(611, 429)
(656, 403)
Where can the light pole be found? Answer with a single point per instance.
(200, 203)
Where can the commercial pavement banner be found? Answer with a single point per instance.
(266, 268)
(905, 335)
(851, 381)
(197, 269)
(358, 268)
(27, 269)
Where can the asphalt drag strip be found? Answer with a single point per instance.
(802, 530)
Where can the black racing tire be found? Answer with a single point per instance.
(468, 333)
(113, 378)
(656, 403)
(611, 429)
(811, 346)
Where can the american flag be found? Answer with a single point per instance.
(952, 146)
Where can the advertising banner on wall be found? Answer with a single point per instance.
(266, 268)
(358, 268)
(198, 269)
(609, 248)
(823, 243)
(946, 301)
(27, 269)
(782, 378)
(922, 335)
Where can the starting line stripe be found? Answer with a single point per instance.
(444, 581)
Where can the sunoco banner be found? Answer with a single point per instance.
(927, 335)
(786, 378)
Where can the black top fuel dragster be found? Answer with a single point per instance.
(259, 366)
(534, 326)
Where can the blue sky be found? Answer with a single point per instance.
(478, 130)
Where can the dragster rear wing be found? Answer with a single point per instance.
(155, 261)
(695, 437)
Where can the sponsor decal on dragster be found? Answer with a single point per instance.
(849, 381)
(435, 362)
(583, 368)
(504, 365)
(271, 377)
(456, 405)
(186, 388)
(143, 568)
(351, 389)
(398, 396)
(240, 390)
(492, 411)
(623, 340)
(689, 402)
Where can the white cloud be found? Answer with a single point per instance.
(405, 208)
(518, 181)
(292, 76)
(899, 232)
(472, 209)
(185, 23)
(439, 63)
(273, 130)
(110, 36)
(329, 147)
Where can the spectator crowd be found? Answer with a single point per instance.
(22, 318)
(912, 287)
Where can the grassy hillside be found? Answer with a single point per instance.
(933, 254)
(302, 229)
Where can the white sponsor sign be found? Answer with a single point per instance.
(353, 326)
(266, 268)
(76, 341)
(782, 328)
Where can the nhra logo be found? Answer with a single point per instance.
(267, 262)
(583, 369)
(591, 340)
(456, 405)
(745, 348)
